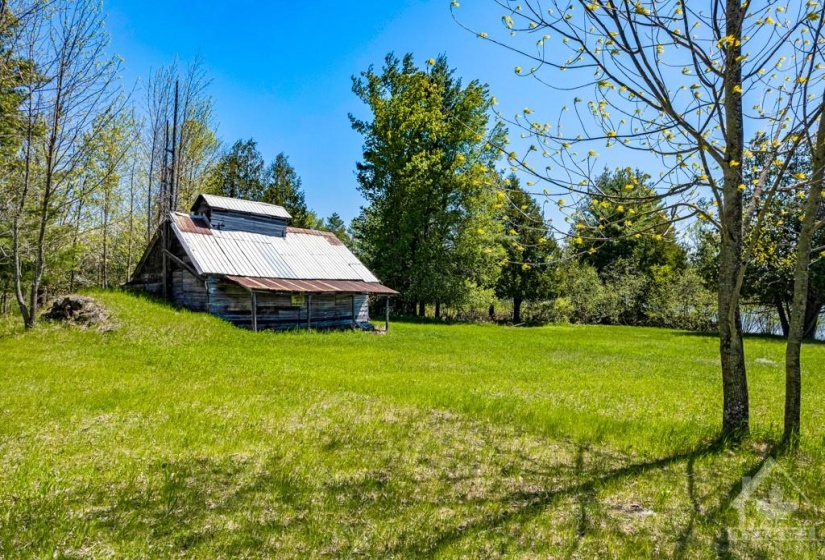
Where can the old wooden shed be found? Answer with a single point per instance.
(241, 261)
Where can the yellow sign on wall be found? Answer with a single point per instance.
(298, 300)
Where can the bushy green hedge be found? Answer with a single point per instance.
(622, 296)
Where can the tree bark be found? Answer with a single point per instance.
(735, 411)
(783, 317)
(20, 209)
(438, 310)
(492, 312)
(812, 310)
(793, 348)
(422, 310)
(517, 310)
(104, 283)
(75, 242)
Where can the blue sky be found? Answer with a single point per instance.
(281, 70)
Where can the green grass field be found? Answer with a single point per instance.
(178, 435)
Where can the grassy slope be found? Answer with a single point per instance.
(177, 434)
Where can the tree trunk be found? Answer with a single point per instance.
(793, 348)
(422, 309)
(75, 242)
(812, 310)
(492, 312)
(131, 223)
(20, 209)
(438, 310)
(735, 411)
(783, 317)
(104, 281)
(149, 190)
(517, 310)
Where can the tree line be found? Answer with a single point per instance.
(86, 164)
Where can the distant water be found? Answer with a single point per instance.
(765, 320)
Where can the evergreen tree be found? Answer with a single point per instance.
(282, 186)
(335, 224)
(623, 223)
(239, 172)
(769, 276)
(530, 247)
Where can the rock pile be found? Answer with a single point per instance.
(79, 310)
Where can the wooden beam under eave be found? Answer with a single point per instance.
(175, 259)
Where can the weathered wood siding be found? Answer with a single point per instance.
(232, 221)
(189, 291)
(150, 276)
(275, 310)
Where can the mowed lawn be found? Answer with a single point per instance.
(178, 435)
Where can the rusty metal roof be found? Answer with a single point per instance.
(192, 224)
(300, 255)
(311, 286)
(243, 206)
(328, 234)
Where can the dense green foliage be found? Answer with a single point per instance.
(531, 249)
(282, 186)
(622, 223)
(459, 441)
(335, 224)
(769, 276)
(429, 228)
(239, 172)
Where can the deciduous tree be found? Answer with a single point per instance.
(70, 85)
(683, 82)
(428, 228)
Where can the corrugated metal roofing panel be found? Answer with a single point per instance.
(328, 234)
(311, 286)
(246, 206)
(300, 255)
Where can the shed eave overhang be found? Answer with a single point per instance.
(311, 286)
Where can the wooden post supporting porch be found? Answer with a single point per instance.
(309, 312)
(354, 317)
(387, 314)
(254, 311)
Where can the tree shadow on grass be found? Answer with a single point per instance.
(524, 507)
(169, 503)
(714, 515)
(237, 507)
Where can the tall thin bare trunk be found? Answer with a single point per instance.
(131, 222)
(793, 348)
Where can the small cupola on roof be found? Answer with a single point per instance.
(232, 214)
